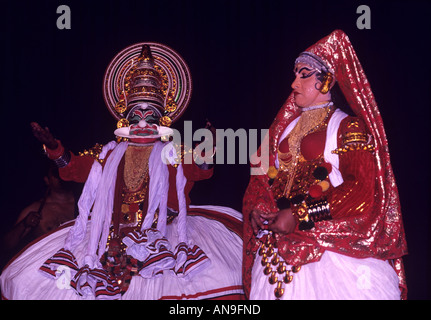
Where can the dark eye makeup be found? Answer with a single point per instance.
(305, 72)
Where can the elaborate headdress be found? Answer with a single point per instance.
(150, 73)
(315, 62)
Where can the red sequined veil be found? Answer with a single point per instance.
(377, 233)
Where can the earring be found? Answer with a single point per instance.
(120, 106)
(326, 83)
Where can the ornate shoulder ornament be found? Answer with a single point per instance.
(93, 152)
(354, 137)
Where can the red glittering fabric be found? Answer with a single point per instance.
(369, 222)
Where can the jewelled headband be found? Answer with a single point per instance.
(313, 61)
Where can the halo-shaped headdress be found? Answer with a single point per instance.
(147, 72)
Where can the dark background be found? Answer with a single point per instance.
(241, 56)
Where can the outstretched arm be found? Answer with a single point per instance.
(71, 167)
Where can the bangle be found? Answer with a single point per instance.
(60, 156)
(310, 212)
(319, 210)
(63, 160)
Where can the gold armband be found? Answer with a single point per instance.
(354, 137)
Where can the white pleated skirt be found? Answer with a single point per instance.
(334, 277)
(23, 280)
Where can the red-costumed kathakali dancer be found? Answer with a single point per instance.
(322, 217)
(137, 236)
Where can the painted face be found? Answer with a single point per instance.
(143, 114)
(142, 122)
(306, 86)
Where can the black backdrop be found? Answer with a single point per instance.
(241, 55)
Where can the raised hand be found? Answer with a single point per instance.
(44, 135)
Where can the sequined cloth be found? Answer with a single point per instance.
(379, 231)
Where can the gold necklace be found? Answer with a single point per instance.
(309, 121)
(136, 166)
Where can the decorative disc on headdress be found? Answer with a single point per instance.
(160, 77)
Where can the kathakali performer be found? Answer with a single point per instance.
(137, 236)
(322, 217)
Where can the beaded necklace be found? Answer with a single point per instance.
(311, 120)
